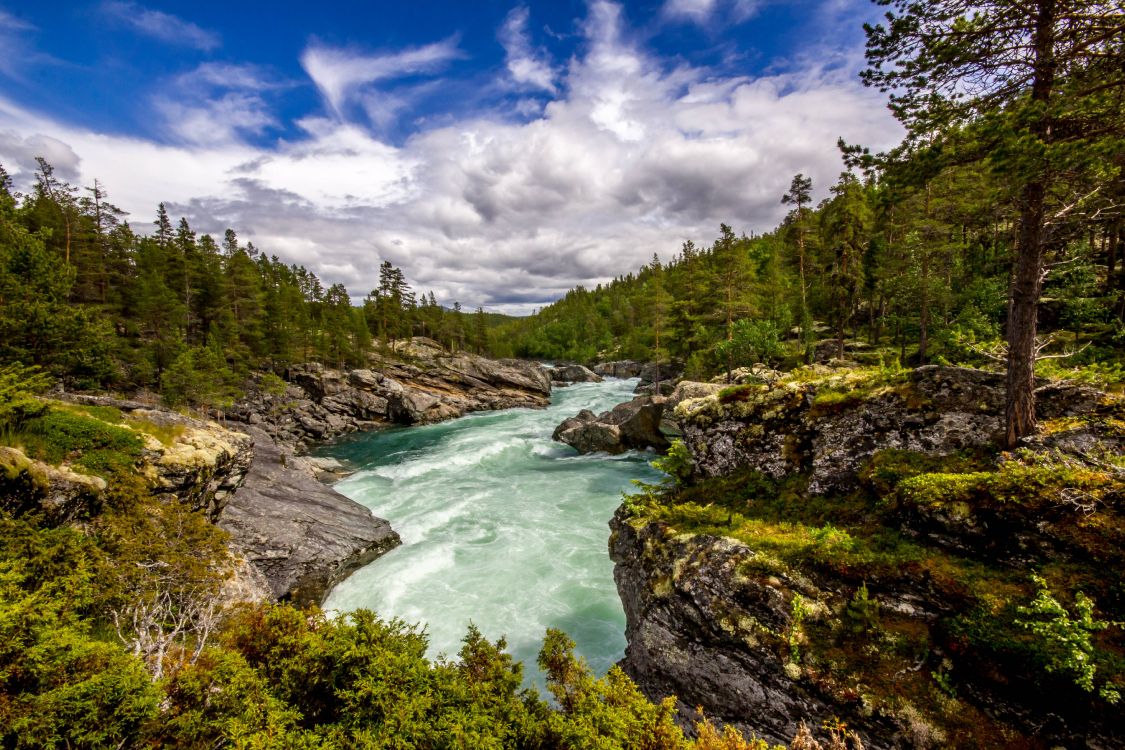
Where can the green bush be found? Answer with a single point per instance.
(63, 434)
(1067, 637)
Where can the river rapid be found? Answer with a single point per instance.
(500, 526)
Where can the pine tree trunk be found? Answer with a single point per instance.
(1023, 308)
(1027, 278)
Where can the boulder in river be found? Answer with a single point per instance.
(566, 374)
(633, 425)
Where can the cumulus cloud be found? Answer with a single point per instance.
(634, 156)
(21, 153)
(338, 72)
(526, 65)
(162, 26)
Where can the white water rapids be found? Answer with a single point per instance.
(500, 526)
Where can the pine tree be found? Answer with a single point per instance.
(799, 195)
(1042, 104)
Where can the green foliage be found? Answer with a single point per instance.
(1067, 636)
(199, 376)
(862, 611)
(67, 434)
(18, 388)
(59, 685)
(798, 611)
(1030, 480)
(676, 463)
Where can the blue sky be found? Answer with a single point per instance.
(499, 152)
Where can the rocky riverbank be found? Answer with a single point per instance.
(424, 384)
(296, 536)
(850, 546)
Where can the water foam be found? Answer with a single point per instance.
(501, 527)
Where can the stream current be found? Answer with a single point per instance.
(500, 526)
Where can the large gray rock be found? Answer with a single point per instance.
(574, 374)
(303, 536)
(701, 629)
(633, 425)
(625, 368)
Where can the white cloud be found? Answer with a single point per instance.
(339, 72)
(526, 65)
(695, 10)
(162, 26)
(705, 12)
(218, 103)
(633, 157)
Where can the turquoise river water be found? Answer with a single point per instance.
(500, 526)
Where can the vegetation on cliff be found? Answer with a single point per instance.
(942, 593)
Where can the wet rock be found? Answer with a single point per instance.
(574, 374)
(625, 368)
(633, 425)
(303, 536)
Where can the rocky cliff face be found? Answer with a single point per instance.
(853, 548)
(296, 537)
(828, 424)
(303, 536)
(320, 403)
(700, 628)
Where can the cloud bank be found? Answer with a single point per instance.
(630, 155)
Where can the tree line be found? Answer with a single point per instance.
(98, 304)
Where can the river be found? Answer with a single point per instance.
(500, 526)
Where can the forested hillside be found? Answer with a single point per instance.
(921, 272)
(99, 304)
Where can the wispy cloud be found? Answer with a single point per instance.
(163, 26)
(694, 10)
(8, 22)
(17, 50)
(525, 64)
(339, 72)
(705, 12)
(217, 103)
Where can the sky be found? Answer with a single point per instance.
(499, 153)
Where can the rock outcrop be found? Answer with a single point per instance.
(699, 628)
(830, 424)
(302, 535)
(567, 374)
(189, 460)
(319, 403)
(853, 549)
(670, 374)
(633, 425)
(293, 535)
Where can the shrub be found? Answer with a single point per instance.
(1067, 638)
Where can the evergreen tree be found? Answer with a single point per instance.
(1037, 86)
(799, 196)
